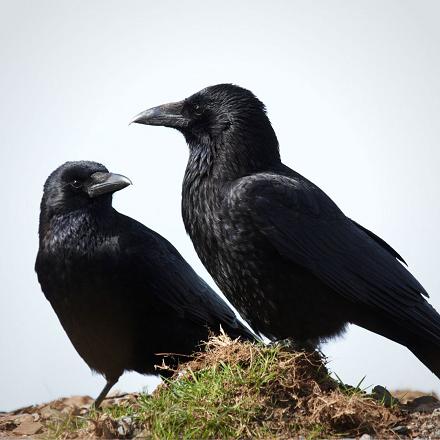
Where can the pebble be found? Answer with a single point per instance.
(47, 412)
(403, 430)
(28, 428)
(382, 395)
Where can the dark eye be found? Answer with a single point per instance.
(76, 184)
(197, 110)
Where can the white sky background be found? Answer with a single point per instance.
(352, 89)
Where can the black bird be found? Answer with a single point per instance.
(123, 294)
(277, 246)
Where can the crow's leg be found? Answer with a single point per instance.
(103, 393)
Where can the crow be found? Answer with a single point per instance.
(123, 294)
(278, 247)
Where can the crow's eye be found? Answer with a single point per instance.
(197, 109)
(75, 184)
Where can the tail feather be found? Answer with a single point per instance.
(421, 334)
(430, 356)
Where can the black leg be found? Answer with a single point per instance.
(103, 393)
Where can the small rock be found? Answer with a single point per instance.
(122, 430)
(381, 394)
(47, 412)
(125, 426)
(78, 401)
(28, 428)
(401, 430)
(22, 418)
(424, 404)
(8, 419)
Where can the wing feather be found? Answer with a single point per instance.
(306, 227)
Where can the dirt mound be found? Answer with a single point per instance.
(298, 394)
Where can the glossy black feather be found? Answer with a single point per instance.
(381, 242)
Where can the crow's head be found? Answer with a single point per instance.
(227, 119)
(77, 185)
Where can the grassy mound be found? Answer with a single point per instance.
(236, 389)
(240, 390)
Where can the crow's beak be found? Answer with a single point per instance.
(103, 183)
(167, 115)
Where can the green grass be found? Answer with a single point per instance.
(116, 411)
(350, 389)
(220, 401)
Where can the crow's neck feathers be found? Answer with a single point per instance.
(249, 146)
(77, 232)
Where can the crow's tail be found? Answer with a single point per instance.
(429, 355)
(420, 332)
(426, 346)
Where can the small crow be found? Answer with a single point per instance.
(122, 293)
(277, 246)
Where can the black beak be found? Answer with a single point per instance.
(167, 115)
(103, 183)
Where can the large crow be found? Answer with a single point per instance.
(122, 293)
(277, 246)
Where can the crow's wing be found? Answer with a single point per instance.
(306, 227)
(158, 273)
(381, 242)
